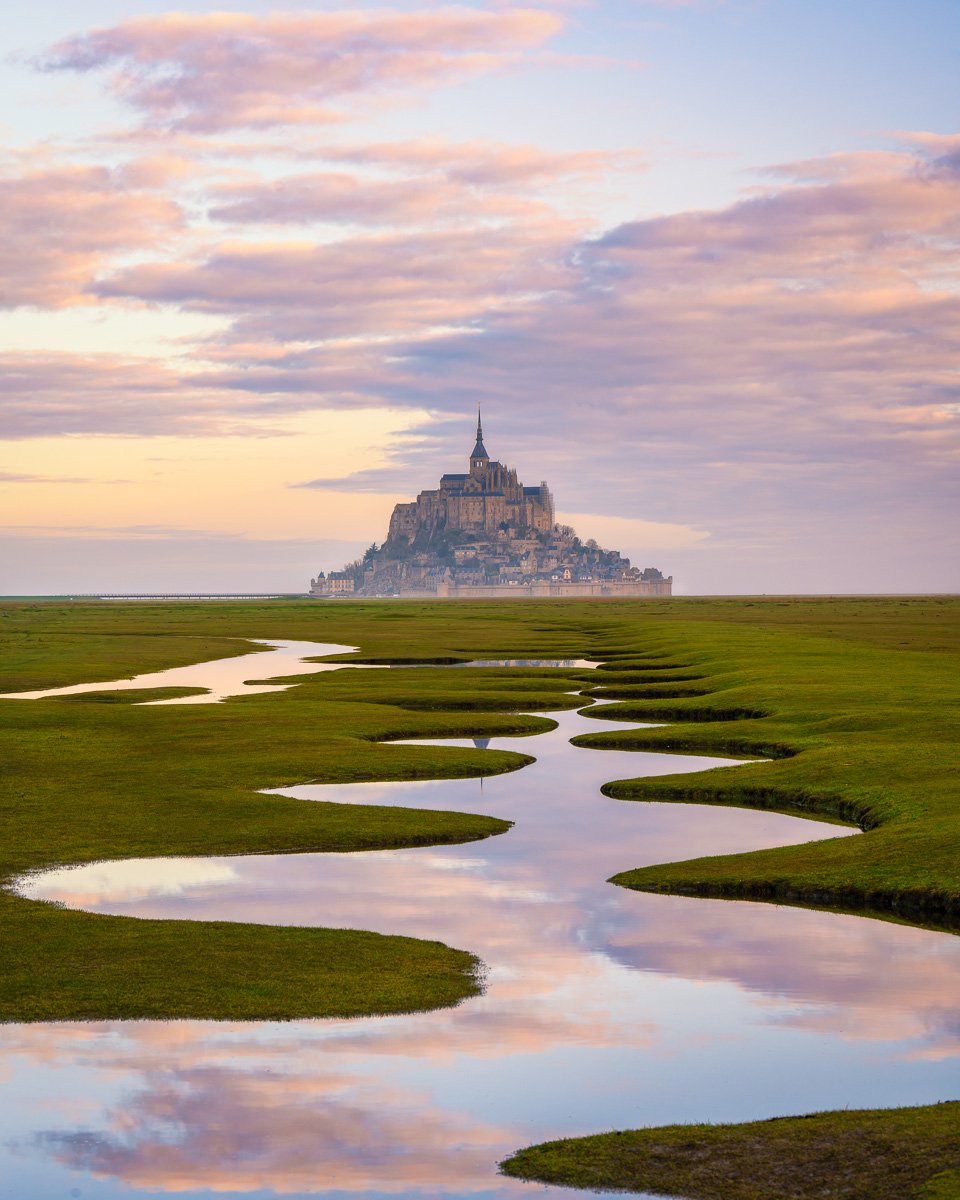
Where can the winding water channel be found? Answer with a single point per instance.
(603, 1008)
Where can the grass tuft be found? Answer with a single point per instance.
(870, 1154)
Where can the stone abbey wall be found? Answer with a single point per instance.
(480, 501)
(483, 535)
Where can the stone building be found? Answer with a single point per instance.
(483, 535)
(340, 583)
(485, 499)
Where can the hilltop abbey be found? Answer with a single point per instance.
(482, 534)
(487, 499)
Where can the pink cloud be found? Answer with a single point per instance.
(814, 307)
(229, 70)
(417, 181)
(61, 223)
(805, 327)
(404, 282)
(342, 197)
(60, 393)
(786, 357)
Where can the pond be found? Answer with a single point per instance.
(603, 1008)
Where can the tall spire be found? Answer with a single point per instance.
(479, 451)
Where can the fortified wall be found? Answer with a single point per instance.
(483, 535)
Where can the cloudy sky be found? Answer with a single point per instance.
(698, 261)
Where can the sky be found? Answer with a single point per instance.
(698, 261)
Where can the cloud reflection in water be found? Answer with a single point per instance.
(604, 1008)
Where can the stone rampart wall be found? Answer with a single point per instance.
(453, 591)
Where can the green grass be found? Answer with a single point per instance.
(130, 696)
(855, 699)
(85, 782)
(93, 777)
(76, 966)
(879, 1154)
(858, 732)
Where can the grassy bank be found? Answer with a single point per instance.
(885, 1154)
(854, 699)
(857, 731)
(93, 776)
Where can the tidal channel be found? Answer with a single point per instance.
(603, 1008)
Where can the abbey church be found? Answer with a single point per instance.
(486, 499)
(483, 535)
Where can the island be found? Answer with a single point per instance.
(483, 535)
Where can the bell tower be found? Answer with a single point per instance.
(479, 458)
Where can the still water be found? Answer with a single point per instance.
(222, 678)
(603, 1008)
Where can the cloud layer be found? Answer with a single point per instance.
(224, 71)
(768, 372)
(61, 222)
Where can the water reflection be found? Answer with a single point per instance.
(222, 1109)
(429, 1103)
(603, 1009)
(534, 904)
(566, 841)
(569, 663)
(223, 676)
